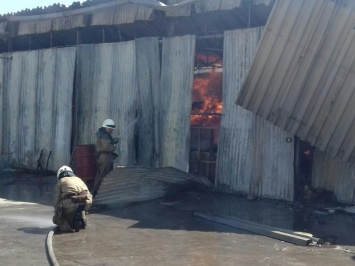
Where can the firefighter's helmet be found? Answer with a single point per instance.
(63, 170)
(108, 123)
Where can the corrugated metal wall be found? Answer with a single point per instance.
(126, 12)
(213, 5)
(37, 90)
(122, 14)
(31, 27)
(68, 23)
(253, 155)
(106, 85)
(203, 6)
(2, 106)
(3, 29)
(177, 74)
(37, 96)
(109, 77)
(177, 12)
(141, 184)
(334, 175)
(302, 77)
(148, 77)
(42, 26)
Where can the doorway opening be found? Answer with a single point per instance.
(303, 170)
(206, 114)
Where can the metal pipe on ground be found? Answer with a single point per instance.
(276, 233)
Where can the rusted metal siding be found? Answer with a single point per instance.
(122, 14)
(302, 76)
(37, 92)
(177, 74)
(106, 87)
(253, 155)
(148, 78)
(334, 175)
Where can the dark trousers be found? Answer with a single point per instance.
(102, 170)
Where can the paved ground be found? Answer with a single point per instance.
(165, 232)
(23, 231)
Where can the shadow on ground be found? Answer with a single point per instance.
(174, 213)
(36, 230)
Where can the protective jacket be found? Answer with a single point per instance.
(64, 208)
(104, 146)
(105, 155)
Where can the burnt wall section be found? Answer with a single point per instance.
(253, 155)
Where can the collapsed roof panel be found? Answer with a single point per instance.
(303, 74)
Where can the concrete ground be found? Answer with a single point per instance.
(23, 231)
(165, 232)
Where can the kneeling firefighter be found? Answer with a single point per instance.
(72, 201)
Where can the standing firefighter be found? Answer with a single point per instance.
(105, 147)
(72, 201)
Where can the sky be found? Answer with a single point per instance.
(7, 6)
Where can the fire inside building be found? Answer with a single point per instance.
(206, 114)
(207, 87)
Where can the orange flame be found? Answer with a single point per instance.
(207, 100)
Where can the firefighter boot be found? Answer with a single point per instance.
(79, 221)
(78, 224)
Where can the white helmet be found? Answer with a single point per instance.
(109, 123)
(64, 168)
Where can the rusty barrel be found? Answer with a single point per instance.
(85, 163)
